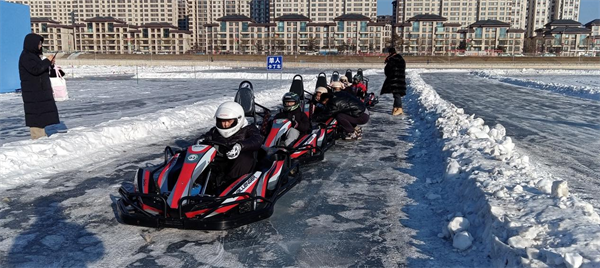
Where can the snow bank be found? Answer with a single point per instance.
(29, 160)
(78, 71)
(590, 92)
(522, 216)
(180, 72)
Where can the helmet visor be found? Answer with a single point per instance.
(226, 123)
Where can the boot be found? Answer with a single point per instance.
(397, 111)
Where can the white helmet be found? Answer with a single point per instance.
(230, 110)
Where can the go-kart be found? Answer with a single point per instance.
(370, 99)
(335, 76)
(189, 190)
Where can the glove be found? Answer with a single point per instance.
(199, 141)
(235, 151)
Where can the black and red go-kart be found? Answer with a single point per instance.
(187, 190)
(308, 148)
(370, 99)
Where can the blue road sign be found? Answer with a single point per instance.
(274, 62)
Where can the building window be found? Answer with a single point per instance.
(363, 26)
(478, 33)
(111, 27)
(145, 33)
(415, 26)
(303, 26)
(90, 27)
(223, 26)
(340, 26)
(166, 33)
(502, 32)
(280, 26)
(44, 28)
(244, 27)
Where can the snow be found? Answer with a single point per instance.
(580, 83)
(502, 204)
(482, 166)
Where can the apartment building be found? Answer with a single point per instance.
(433, 35)
(259, 10)
(565, 38)
(541, 12)
(57, 37)
(493, 36)
(136, 12)
(294, 34)
(112, 36)
(205, 12)
(565, 10)
(528, 15)
(594, 44)
(323, 10)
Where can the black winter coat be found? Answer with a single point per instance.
(38, 101)
(248, 137)
(342, 102)
(298, 116)
(395, 73)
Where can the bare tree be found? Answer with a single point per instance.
(259, 47)
(342, 47)
(312, 45)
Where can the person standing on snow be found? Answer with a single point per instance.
(395, 81)
(38, 100)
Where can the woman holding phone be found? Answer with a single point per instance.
(38, 101)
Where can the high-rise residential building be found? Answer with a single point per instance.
(538, 14)
(136, 12)
(206, 12)
(565, 10)
(259, 10)
(464, 12)
(323, 10)
(521, 14)
(406, 9)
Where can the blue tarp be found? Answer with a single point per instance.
(15, 24)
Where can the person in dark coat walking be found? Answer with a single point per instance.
(38, 101)
(395, 81)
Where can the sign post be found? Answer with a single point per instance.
(275, 63)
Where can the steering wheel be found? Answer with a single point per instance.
(219, 146)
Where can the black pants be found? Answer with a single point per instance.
(348, 122)
(234, 169)
(397, 100)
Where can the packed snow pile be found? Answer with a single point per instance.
(532, 79)
(521, 216)
(178, 72)
(28, 160)
(79, 71)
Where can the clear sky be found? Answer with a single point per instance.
(589, 10)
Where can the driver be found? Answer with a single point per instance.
(233, 129)
(292, 111)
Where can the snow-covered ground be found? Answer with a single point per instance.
(482, 192)
(580, 83)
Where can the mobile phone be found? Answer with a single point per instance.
(55, 55)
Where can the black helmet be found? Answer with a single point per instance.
(357, 78)
(290, 97)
